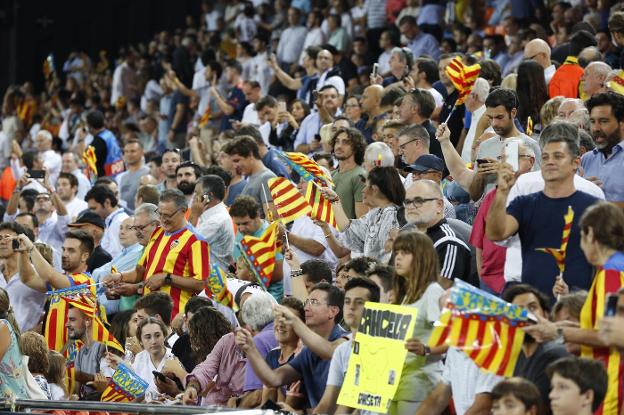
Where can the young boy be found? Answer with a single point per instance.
(515, 396)
(578, 386)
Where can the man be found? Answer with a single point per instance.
(233, 105)
(594, 78)
(420, 43)
(252, 92)
(51, 159)
(124, 79)
(108, 156)
(175, 261)
(26, 302)
(357, 292)
(390, 135)
(308, 140)
(126, 260)
(67, 188)
(426, 73)
(560, 161)
(371, 111)
(267, 117)
(178, 116)
(348, 147)
(157, 305)
(534, 357)
(245, 156)
(501, 109)
(568, 107)
(430, 167)
(102, 201)
(323, 309)
(146, 194)
(475, 104)
(270, 157)
(413, 143)
(214, 223)
(329, 75)
(171, 159)
(149, 134)
(291, 41)
(71, 165)
(51, 214)
(566, 79)
(603, 165)
(424, 210)
(416, 108)
(260, 69)
(383, 276)
(245, 213)
(187, 174)
(135, 168)
(539, 51)
(95, 226)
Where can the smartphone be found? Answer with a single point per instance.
(482, 161)
(375, 70)
(36, 174)
(16, 244)
(611, 307)
(511, 154)
(281, 106)
(159, 375)
(315, 96)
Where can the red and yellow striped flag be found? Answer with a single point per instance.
(261, 252)
(617, 83)
(307, 168)
(124, 386)
(70, 352)
(463, 77)
(321, 207)
(486, 328)
(560, 253)
(288, 201)
(90, 159)
(216, 287)
(605, 282)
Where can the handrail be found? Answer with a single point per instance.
(133, 408)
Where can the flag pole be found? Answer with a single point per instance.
(450, 114)
(269, 212)
(250, 265)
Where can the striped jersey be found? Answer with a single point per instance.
(180, 253)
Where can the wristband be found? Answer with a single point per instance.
(296, 272)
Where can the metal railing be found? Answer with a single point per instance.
(27, 405)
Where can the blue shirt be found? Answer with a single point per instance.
(274, 163)
(313, 370)
(424, 44)
(234, 191)
(609, 171)
(236, 98)
(125, 261)
(541, 222)
(616, 261)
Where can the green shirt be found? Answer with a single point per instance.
(349, 186)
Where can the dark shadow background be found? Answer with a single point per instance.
(31, 29)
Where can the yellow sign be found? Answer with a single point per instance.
(377, 356)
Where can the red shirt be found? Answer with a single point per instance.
(493, 256)
(565, 81)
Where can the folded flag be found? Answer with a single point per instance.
(216, 287)
(260, 253)
(560, 253)
(485, 327)
(288, 201)
(124, 386)
(605, 282)
(463, 77)
(321, 207)
(307, 168)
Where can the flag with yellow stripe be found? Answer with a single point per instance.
(322, 209)
(463, 77)
(260, 252)
(486, 328)
(124, 386)
(90, 160)
(288, 201)
(605, 282)
(307, 168)
(216, 287)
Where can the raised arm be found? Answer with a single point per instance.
(455, 164)
(45, 271)
(499, 224)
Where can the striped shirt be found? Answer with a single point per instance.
(181, 253)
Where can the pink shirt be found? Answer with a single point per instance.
(227, 363)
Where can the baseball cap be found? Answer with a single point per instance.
(426, 162)
(88, 216)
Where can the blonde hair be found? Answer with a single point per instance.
(424, 269)
(35, 347)
(510, 81)
(549, 111)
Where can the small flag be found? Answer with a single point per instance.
(485, 327)
(124, 386)
(617, 83)
(261, 252)
(321, 207)
(560, 253)
(605, 282)
(216, 287)
(288, 201)
(463, 77)
(307, 168)
(90, 159)
(529, 129)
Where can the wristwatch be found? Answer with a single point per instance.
(427, 351)
(168, 279)
(296, 273)
(560, 339)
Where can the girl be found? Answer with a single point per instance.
(12, 370)
(57, 371)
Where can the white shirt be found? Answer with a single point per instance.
(437, 97)
(265, 132)
(26, 302)
(202, 87)
(549, 72)
(261, 71)
(384, 62)
(110, 240)
(53, 162)
(336, 81)
(215, 226)
(212, 20)
(250, 115)
(314, 37)
(291, 43)
(305, 228)
(117, 87)
(83, 183)
(526, 184)
(144, 367)
(470, 136)
(74, 207)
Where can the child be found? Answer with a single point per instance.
(578, 386)
(57, 371)
(515, 396)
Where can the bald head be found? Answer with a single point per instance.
(371, 99)
(539, 51)
(424, 204)
(589, 54)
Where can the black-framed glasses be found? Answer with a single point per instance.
(168, 215)
(402, 146)
(418, 201)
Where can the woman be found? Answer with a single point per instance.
(532, 93)
(12, 369)
(416, 285)
(35, 347)
(291, 121)
(353, 110)
(384, 193)
(206, 327)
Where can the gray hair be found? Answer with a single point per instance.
(148, 209)
(416, 131)
(175, 196)
(257, 311)
(379, 152)
(433, 186)
(45, 134)
(561, 132)
(481, 89)
(600, 68)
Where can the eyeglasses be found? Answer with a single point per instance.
(402, 146)
(417, 201)
(313, 302)
(168, 215)
(142, 228)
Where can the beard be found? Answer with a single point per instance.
(609, 141)
(186, 188)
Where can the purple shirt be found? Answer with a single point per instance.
(227, 362)
(265, 342)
